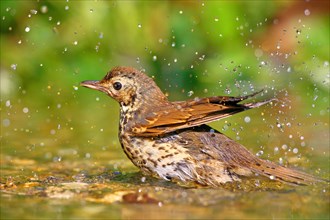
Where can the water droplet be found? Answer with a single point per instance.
(52, 132)
(66, 7)
(75, 42)
(227, 90)
(247, 119)
(139, 25)
(154, 58)
(44, 9)
(175, 60)
(216, 19)
(143, 179)
(295, 150)
(27, 29)
(75, 88)
(33, 11)
(13, 66)
(284, 146)
(259, 153)
(8, 103)
(190, 93)
(25, 110)
(307, 12)
(202, 57)
(180, 12)
(280, 160)
(173, 44)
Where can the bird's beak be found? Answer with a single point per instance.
(94, 84)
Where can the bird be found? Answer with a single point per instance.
(172, 141)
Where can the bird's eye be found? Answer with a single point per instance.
(117, 85)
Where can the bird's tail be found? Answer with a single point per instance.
(239, 155)
(283, 174)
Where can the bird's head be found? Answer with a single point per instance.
(128, 86)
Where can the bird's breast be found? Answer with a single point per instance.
(160, 156)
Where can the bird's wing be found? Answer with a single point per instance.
(185, 114)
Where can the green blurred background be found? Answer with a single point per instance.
(191, 48)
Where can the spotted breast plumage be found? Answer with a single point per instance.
(171, 140)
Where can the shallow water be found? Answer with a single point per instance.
(63, 194)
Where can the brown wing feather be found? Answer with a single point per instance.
(185, 114)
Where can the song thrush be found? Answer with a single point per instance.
(170, 139)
